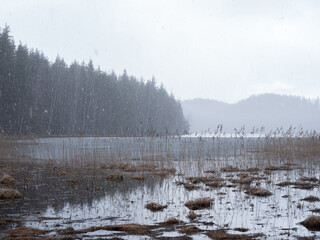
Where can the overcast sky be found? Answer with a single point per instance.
(223, 50)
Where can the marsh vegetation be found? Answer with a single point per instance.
(170, 187)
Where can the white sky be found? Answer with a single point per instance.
(223, 50)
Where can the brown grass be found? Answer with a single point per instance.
(308, 179)
(311, 199)
(127, 167)
(206, 179)
(230, 169)
(5, 221)
(298, 184)
(215, 184)
(260, 192)
(252, 169)
(109, 166)
(241, 229)
(171, 221)
(164, 171)
(199, 203)
(7, 180)
(62, 173)
(312, 223)
(115, 177)
(9, 194)
(190, 187)
(138, 177)
(278, 168)
(153, 206)
(242, 175)
(129, 228)
(303, 185)
(284, 184)
(72, 181)
(192, 215)
(25, 232)
(221, 234)
(190, 229)
(147, 167)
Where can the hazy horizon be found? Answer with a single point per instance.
(266, 110)
(222, 50)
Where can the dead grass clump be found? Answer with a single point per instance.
(308, 179)
(311, 199)
(7, 180)
(317, 210)
(231, 185)
(129, 228)
(199, 203)
(215, 184)
(242, 175)
(67, 231)
(62, 173)
(72, 181)
(146, 167)
(138, 177)
(190, 187)
(171, 221)
(211, 171)
(241, 229)
(284, 184)
(5, 221)
(190, 229)
(154, 207)
(312, 223)
(278, 168)
(206, 179)
(127, 167)
(230, 169)
(260, 192)
(192, 215)
(109, 166)
(221, 234)
(252, 169)
(26, 179)
(164, 171)
(195, 180)
(25, 232)
(9, 194)
(303, 185)
(115, 177)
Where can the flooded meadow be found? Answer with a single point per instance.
(169, 187)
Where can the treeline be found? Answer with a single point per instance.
(40, 97)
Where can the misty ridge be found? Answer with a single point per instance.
(266, 111)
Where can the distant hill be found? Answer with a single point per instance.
(267, 110)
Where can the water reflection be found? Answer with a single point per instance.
(91, 200)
